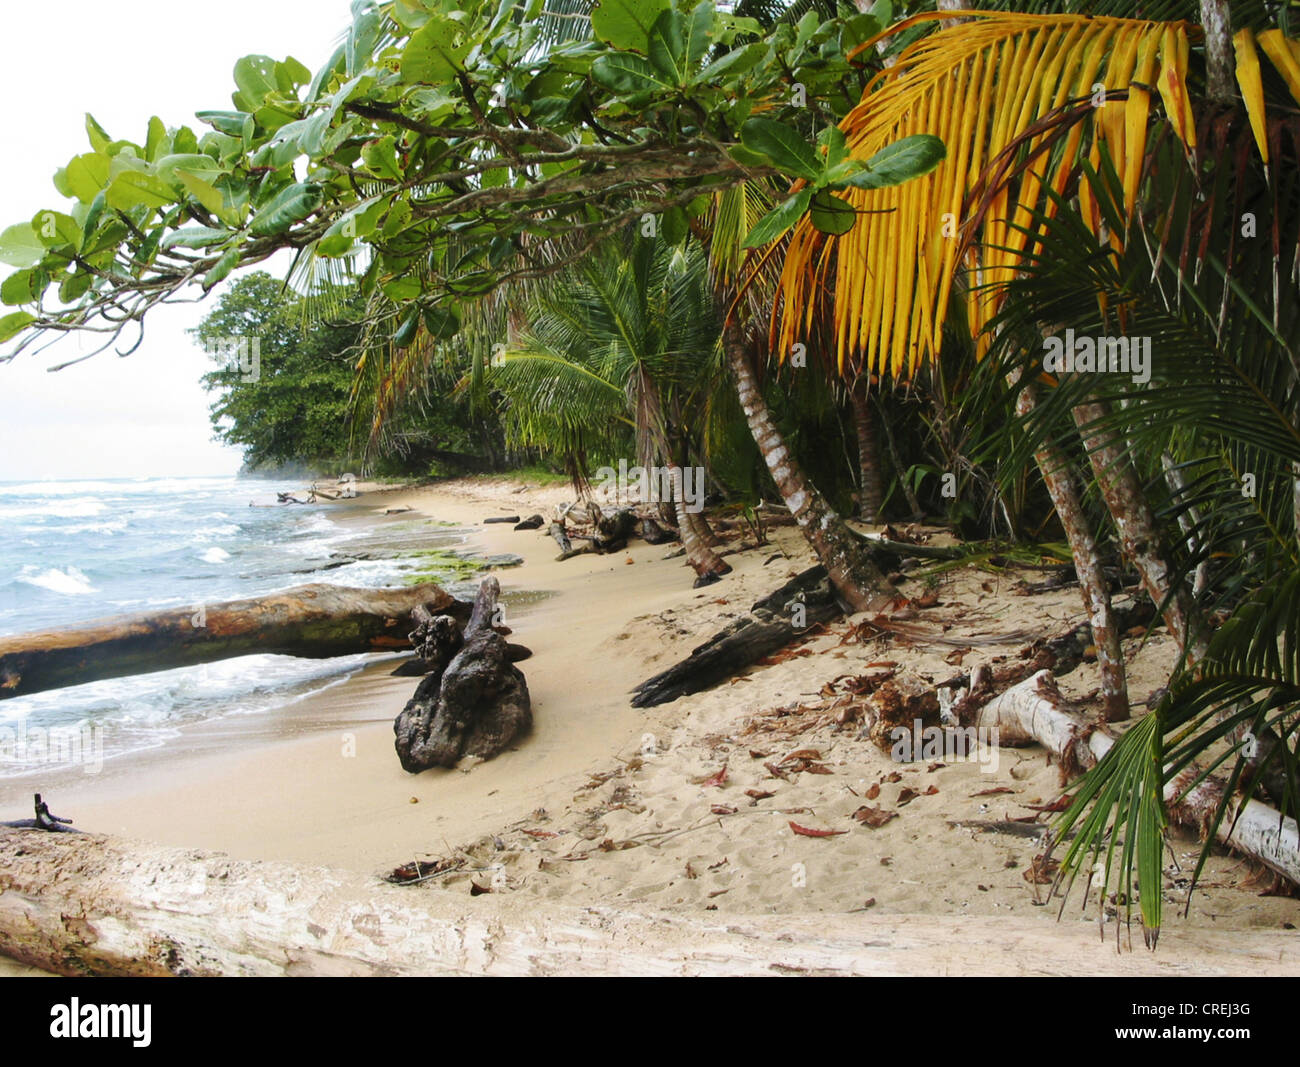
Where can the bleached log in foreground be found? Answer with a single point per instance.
(1033, 711)
(87, 904)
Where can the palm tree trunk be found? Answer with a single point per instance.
(870, 491)
(1138, 533)
(702, 528)
(1087, 564)
(1140, 540)
(1216, 21)
(857, 580)
(699, 555)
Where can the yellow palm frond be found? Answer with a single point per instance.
(1020, 101)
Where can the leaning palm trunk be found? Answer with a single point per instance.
(1140, 541)
(702, 529)
(699, 555)
(1138, 533)
(870, 488)
(1087, 565)
(857, 580)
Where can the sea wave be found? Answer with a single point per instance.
(70, 580)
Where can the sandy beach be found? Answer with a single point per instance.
(675, 808)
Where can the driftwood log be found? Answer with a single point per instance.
(474, 706)
(1035, 711)
(771, 624)
(94, 905)
(316, 621)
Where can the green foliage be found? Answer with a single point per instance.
(516, 133)
(290, 405)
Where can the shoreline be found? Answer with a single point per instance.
(606, 805)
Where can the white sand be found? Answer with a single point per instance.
(620, 788)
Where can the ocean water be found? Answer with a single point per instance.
(73, 551)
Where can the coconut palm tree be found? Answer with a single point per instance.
(1027, 105)
(618, 357)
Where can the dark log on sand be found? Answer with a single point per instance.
(772, 623)
(316, 621)
(476, 706)
(95, 905)
(503, 518)
(533, 522)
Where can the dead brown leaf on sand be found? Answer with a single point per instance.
(874, 817)
(808, 831)
(1042, 869)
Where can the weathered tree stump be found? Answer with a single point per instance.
(475, 706)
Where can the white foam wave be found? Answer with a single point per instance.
(70, 581)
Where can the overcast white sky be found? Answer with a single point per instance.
(123, 61)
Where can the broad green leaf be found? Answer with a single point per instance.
(442, 324)
(701, 33)
(197, 164)
(342, 236)
(56, 230)
(627, 23)
(289, 205)
(901, 161)
(99, 140)
(436, 52)
(212, 198)
(23, 287)
(155, 140)
(674, 226)
(737, 61)
(13, 322)
(832, 214)
(255, 76)
(95, 212)
(222, 268)
(667, 47)
(783, 145)
(837, 148)
(20, 246)
(133, 188)
(87, 175)
(779, 219)
(74, 286)
(380, 157)
(405, 333)
(626, 74)
(290, 74)
(411, 14)
(195, 237)
(231, 123)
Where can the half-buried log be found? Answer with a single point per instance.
(771, 624)
(476, 706)
(1035, 711)
(315, 621)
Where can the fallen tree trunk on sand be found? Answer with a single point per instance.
(94, 905)
(772, 623)
(474, 703)
(315, 621)
(1034, 711)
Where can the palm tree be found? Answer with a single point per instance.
(618, 354)
(1026, 105)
